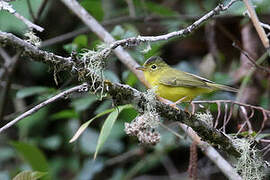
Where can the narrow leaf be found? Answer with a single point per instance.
(29, 175)
(86, 124)
(107, 127)
(32, 155)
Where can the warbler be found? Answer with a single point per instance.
(176, 85)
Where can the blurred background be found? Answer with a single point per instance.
(41, 141)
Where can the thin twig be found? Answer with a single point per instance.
(28, 23)
(124, 157)
(82, 87)
(266, 26)
(172, 131)
(41, 9)
(94, 25)
(233, 102)
(5, 56)
(131, 8)
(249, 75)
(253, 61)
(212, 154)
(118, 20)
(31, 10)
(256, 23)
(33, 51)
(85, 30)
(10, 67)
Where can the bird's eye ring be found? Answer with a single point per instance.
(154, 66)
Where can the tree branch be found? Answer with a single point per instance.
(8, 39)
(256, 23)
(82, 87)
(94, 25)
(6, 6)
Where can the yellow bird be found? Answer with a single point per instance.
(176, 85)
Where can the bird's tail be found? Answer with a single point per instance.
(222, 87)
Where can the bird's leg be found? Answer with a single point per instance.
(178, 101)
(186, 108)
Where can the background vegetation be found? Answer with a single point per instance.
(41, 142)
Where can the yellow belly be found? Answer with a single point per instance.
(175, 93)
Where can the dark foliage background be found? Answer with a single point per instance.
(41, 141)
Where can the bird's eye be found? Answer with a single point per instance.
(154, 66)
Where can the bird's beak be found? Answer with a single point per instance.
(141, 68)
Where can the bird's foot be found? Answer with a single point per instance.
(174, 105)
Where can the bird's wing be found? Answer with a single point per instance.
(183, 79)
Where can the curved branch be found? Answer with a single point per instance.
(63, 94)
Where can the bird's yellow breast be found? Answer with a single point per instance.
(173, 93)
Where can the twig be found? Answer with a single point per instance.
(33, 51)
(6, 6)
(212, 154)
(266, 26)
(124, 157)
(29, 24)
(249, 75)
(41, 9)
(84, 30)
(117, 45)
(11, 64)
(31, 10)
(5, 56)
(117, 20)
(180, 33)
(131, 8)
(251, 59)
(82, 87)
(256, 23)
(94, 25)
(232, 102)
(171, 131)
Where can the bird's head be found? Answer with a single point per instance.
(153, 64)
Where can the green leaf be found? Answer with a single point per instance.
(30, 91)
(86, 124)
(107, 127)
(65, 114)
(29, 175)
(94, 7)
(32, 155)
(81, 41)
(130, 78)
